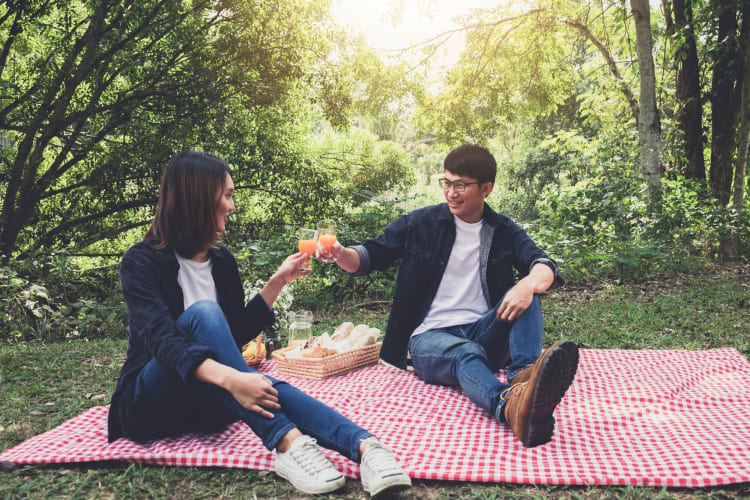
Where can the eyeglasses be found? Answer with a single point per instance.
(458, 186)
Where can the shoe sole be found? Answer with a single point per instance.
(305, 488)
(571, 350)
(551, 384)
(390, 488)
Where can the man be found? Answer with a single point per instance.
(457, 310)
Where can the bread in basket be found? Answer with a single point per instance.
(329, 366)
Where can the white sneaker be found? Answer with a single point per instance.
(305, 466)
(380, 471)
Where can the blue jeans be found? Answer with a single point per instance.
(469, 355)
(171, 406)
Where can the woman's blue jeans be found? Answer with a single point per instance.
(172, 406)
(469, 355)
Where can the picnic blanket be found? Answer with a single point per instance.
(653, 418)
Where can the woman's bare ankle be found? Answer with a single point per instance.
(365, 442)
(287, 439)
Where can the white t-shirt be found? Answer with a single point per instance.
(196, 281)
(459, 299)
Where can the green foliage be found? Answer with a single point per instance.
(600, 228)
(97, 97)
(88, 119)
(360, 166)
(48, 297)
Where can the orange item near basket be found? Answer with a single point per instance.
(258, 355)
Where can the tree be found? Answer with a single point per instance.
(520, 65)
(649, 127)
(687, 87)
(97, 95)
(740, 172)
(726, 83)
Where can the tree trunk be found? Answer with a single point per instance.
(688, 93)
(724, 105)
(731, 250)
(649, 127)
(740, 172)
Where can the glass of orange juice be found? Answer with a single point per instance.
(327, 233)
(306, 238)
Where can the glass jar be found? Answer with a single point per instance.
(300, 328)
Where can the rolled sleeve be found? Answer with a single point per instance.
(191, 358)
(364, 261)
(558, 281)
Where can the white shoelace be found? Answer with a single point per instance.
(380, 460)
(309, 457)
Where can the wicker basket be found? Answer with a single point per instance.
(259, 352)
(322, 368)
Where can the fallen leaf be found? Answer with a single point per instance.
(2, 428)
(36, 412)
(99, 396)
(49, 404)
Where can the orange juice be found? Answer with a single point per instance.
(307, 246)
(327, 240)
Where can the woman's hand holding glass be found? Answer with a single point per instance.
(293, 267)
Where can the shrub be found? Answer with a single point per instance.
(603, 227)
(48, 297)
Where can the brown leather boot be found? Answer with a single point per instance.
(570, 349)
(529, 405)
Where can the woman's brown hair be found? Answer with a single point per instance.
(185, 217)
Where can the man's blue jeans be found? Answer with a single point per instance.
(170, 406)
(469, 355)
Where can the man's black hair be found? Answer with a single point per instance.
(473, 161)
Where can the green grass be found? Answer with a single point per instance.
(42, 385)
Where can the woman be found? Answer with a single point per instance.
(184, 371)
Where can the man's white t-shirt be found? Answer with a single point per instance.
(196, 281)
(459, 299)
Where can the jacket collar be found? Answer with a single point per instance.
(216, 253)
(490, 216)
(444, 214)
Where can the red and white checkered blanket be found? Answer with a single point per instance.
(656, 418)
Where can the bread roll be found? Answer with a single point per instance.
(343, 331)
(375, 331)
(359, 328)
(312, 342)
(358, 331)
(368, 337)
(318, 352)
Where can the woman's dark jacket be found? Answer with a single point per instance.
(149, 283)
